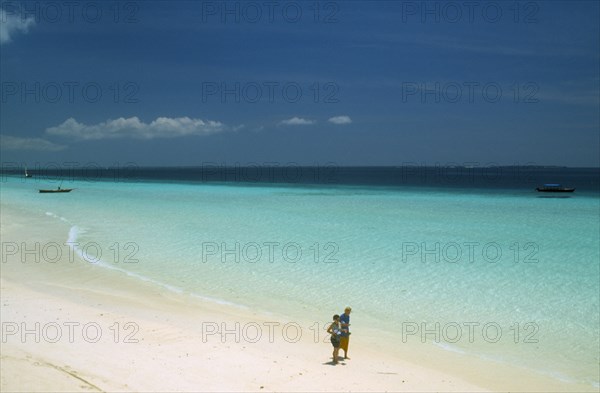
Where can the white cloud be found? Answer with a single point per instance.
(297, 121)
(16, 143)
(11, 24)
(340, 120)
(162, 127)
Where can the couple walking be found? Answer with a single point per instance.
(340, 333)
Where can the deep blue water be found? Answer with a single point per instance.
(410, 174)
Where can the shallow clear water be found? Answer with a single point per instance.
(501, 261)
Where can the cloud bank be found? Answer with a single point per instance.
(296, 121)
(162, 127)
(340, 120)
(8, 142)
(11, 24)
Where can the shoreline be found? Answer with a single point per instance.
(170, 329)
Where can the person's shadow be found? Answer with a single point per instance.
(331, 363)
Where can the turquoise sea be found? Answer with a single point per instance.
(502, 272)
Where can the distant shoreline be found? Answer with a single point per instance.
(449, 177)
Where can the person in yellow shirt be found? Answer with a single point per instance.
(345, 336)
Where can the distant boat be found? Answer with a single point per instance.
(27, 173)
(47, 191)
(554, 188)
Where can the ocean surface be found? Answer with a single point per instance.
(471, 260)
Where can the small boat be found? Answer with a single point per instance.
(27, 173)
(554, 188)
(42, 191)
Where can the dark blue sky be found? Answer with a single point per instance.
(344, 82)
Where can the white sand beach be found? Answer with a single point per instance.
(101, 330)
